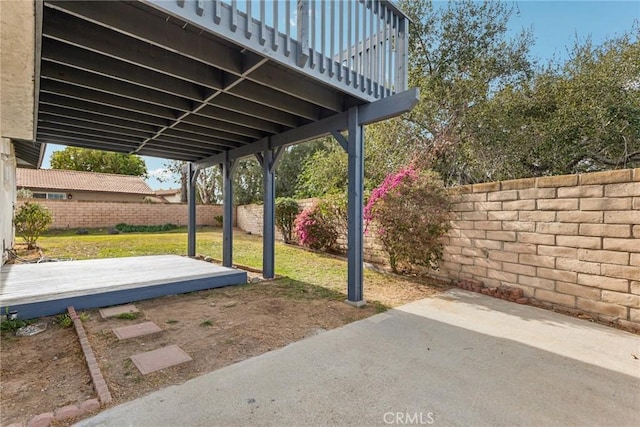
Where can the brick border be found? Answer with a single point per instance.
(99, 384)
(70, 412)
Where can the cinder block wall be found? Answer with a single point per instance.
(569, 241)
(80, 214)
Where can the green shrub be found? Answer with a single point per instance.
(410, 211)
(127, 228)
(287, 210)
(219, 219)
(31, 221)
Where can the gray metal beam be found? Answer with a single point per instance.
(87, 35)
(273, 99)
(215, 137)
(84, 79)
(355, 208)
(87, 134)
(191, 201)
(167, 154)
(250, 108)
(80, 142)
(79, 105)
(54, 120)
(88, 117)
(209, 125)
(273, 76)
(84, 94)
(155, 29)
(233, 117)
(369, 113)
(228, 167)
(65, 54)
(268, 223)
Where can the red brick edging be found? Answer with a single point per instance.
(503, 292)
(99, 384)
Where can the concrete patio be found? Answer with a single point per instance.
(457, 359)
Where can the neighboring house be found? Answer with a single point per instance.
(171, 195)
(84, 186)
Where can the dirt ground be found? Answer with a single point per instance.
(40, 371)
(216, 328)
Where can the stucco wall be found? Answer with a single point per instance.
(78, 214)
(17, 69)
(7, 194)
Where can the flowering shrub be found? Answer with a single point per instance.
(314, 230)
(410, 211)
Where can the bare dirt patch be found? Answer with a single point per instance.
(41, 373)
(216, 328)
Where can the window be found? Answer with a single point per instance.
(50, 196)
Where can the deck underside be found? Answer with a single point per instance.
(35, 290)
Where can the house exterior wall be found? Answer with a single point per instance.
(92, 196)
(17, 74)
(7, 195)
(79, 214)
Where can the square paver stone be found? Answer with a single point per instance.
(118, 310)
(161, 358)
(138, 330)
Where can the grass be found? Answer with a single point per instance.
(129, 316)
(304, 274)
(206, 323)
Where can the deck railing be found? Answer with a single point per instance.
(357, 45)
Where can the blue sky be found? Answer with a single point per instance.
(555, 25)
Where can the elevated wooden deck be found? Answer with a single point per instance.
(35, 290)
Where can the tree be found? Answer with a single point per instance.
(208, 183)
(82, 159)
(291, 165)
(459, 56)
(580, 117)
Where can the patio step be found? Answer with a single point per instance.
(118, 310)
(165, 357)
(138, 330)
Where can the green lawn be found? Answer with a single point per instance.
(295, 264)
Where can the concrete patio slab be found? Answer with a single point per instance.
(161, 358)
(458, 359)
(138, 330)
(105, 313)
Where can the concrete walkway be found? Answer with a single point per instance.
(458, 359)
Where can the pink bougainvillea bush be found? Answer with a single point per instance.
(314, 230)
(409, 213)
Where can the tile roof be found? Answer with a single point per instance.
(80, 181)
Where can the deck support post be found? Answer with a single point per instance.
(228, 167)
(268, 233)
(192, 175)
(355, 145)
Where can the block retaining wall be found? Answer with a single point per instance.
(571, 242)
(81, 214)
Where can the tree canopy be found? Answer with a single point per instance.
(82, 159)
